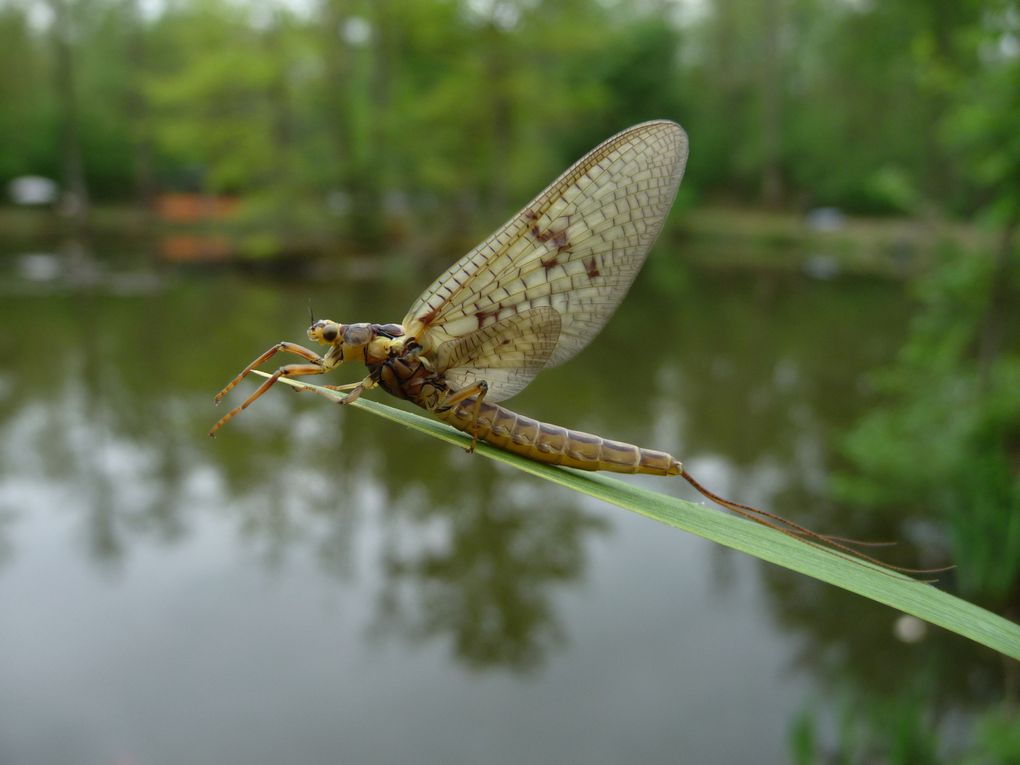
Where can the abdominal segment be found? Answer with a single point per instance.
(552, 444)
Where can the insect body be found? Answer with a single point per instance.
(529, 297)
(399, 368)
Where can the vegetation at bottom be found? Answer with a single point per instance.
(904, 729)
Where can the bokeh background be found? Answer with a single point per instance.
(828, 328)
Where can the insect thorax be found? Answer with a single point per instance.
(403, 373)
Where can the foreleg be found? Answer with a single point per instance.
(285, 347)
(291, 370)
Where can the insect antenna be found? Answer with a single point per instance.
(311, 314)
(840, 545)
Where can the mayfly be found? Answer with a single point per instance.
(529, 297)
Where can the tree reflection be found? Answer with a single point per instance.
(121, 432)
(115, 435)
(487, 581)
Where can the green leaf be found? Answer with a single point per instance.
(900, 592)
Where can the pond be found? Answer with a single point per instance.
(318, 585)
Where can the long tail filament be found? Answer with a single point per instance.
(840, 545)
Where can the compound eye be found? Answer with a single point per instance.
(325, 331)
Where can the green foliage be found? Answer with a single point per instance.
(997, 739)
(802, 738)
(905, 729)
(947, 436)
(26, 110)
(982, 125)
(461, 108)
(946, 439)
(211, 96)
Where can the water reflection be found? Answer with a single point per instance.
(114, 421)
(105, 399)
(114, 436)
(480, 569)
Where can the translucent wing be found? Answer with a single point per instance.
(507, 354)
(575, 248)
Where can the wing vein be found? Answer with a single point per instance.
(575, 250)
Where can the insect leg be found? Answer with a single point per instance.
(355, 390)
(297, 350)
(348, 386)
(291, 370)
(338, 388)
(453, 401)
(364, 385)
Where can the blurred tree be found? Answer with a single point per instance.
(354, 97)
(949, 435)
(109, 68)
(982, 126)
(446, 113)
(28, 106)
(210, 92)
(76, 198)
(136, 105)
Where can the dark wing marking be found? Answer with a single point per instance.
(575, 248)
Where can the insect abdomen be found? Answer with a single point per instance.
(552, 444)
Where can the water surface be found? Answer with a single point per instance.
(318, 585)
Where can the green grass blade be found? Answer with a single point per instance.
(899, 592)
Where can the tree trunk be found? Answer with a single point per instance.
(771, 105)
(992, 325)
(75, 202)
(138, 112)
